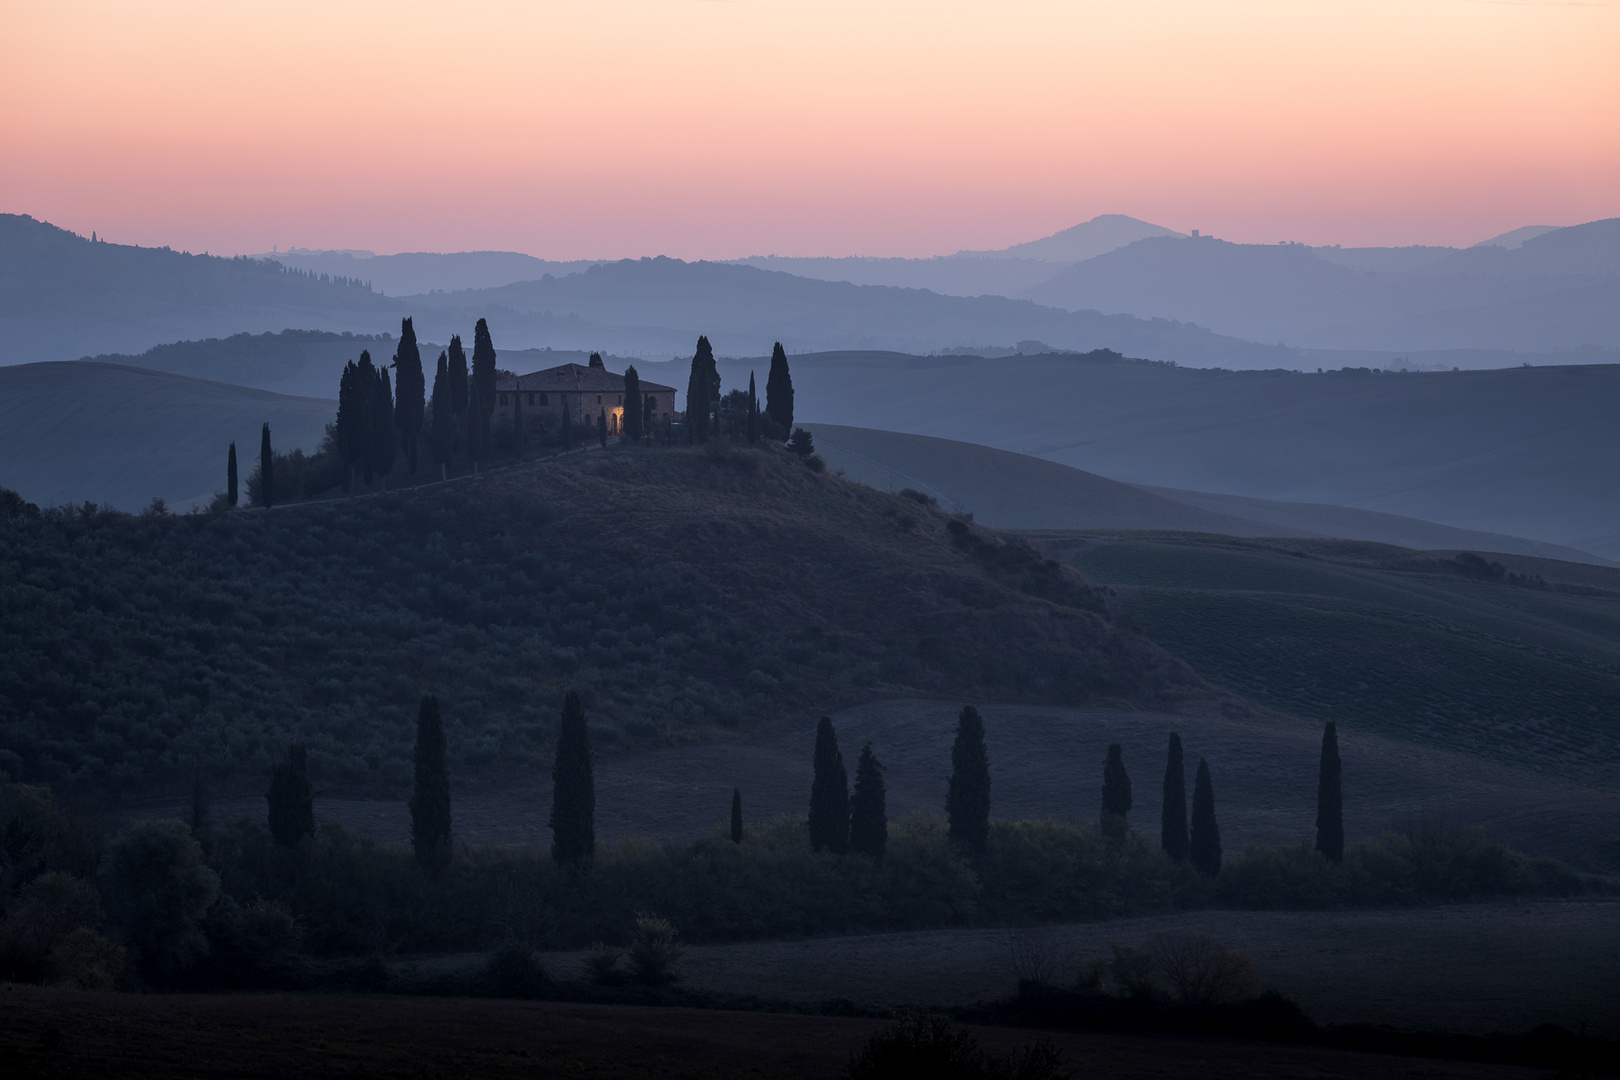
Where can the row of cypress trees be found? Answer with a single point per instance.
(703, 396)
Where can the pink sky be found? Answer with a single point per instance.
(712, 129)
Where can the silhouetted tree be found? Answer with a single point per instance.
(869, 809)
(384, 436)
(1173, 824)
(230, 476)
(601, 427)
(967, 803)
(632, 427)
(1116, 792)
(267, 468)
(352, 428)
(753, 412)
(573, 792)
(702, 392)
(365, 402)
(409, 385)
(430, 799)
(1205, 845)
(736, 815)
(829, 794)
(443, 433)
(483, 374)
(291, 799)
(779, 391)
(802, 443)
(458, 377)
(1330, 798)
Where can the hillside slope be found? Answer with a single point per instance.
(1529, 452)
(118, 436)
(1017, 491)
(678, 591)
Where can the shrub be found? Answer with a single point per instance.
(918, 497)
(816, 463)
(602, 965)
(46, 911)
(512, 972)
(655, 949)
(84, 960)
(157, 892)
(802, 442)
(932, 1047)
(1201, 971)
(252, 941)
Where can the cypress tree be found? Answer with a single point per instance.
(430, 801)
(409, 385)
(267, 468)
(573, 792)
(351, 424)
(443, 433)
(869, 809)
(753, 411)
(736, 815)
(483, 376)
(1205, 845)
(829, 794)
(518, 438)
(291, 799)
(1116, 794)
(383, 433)
(779, 391)
(633, 428)
(601, 427)
(1330, 798)
(230, 476)
(365, 403)
(702, 392)
(458, 377)
(967, 804)
(1173, 825)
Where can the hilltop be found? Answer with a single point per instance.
(681, 592)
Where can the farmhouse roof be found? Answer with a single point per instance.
(576, 379)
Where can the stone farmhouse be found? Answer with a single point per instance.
(581, 391)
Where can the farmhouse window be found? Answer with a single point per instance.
(543, 400)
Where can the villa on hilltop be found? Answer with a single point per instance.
(581, 392)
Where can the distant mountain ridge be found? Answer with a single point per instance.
(1087, 240)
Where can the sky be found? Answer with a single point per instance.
(715, 129)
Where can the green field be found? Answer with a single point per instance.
(1396, 642)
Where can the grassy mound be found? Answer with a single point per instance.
(674, 589)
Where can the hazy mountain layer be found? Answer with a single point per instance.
(425, 271)
(1529, 452)
(1559, 290)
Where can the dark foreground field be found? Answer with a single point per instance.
(51, 1033)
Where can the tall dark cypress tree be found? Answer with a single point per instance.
(230, 476)
(483, 375)
(409, 388)
(352, 429)
(573, 792)
(291, 799)
(1330, 797)
(365, 405)
(869, 809)
(267, 468)
(967, 804)
(458, 377)
(430, 800)
(829, 794)
(702, 392)
(753, 411)
(384, 436)
(1205, 845)
(601, 427)
(779, 391)
(443, 433)
(632, 428)
(736, 815)
(1173, 823)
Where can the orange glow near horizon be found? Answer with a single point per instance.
(712, 129)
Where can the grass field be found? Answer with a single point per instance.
(1388, 642)
(52, 1033)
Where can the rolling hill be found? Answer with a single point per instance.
(1528, 452)
(1005, 490)
(118, 436)
(1558, 290)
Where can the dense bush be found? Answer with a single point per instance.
(158, 893)
(933, 1047)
